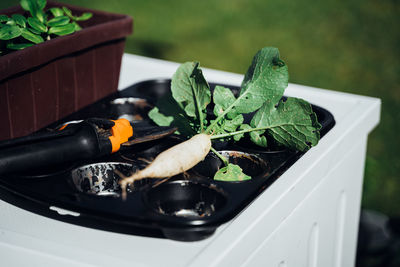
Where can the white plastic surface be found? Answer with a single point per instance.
(308, 217)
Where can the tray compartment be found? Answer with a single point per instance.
(99, 178)
(186, 199)
(251, 164)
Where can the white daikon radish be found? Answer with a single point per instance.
(172, 161)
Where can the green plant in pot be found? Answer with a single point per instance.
(55, 59)
(19, 31)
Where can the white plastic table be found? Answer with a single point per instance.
(308, 217)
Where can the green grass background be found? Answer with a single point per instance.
(344, 45)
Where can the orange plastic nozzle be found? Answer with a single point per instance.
(121, 132)
(63, 127)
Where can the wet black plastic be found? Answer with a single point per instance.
(76, 142)
(187, 207)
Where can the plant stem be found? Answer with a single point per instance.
(224, 160)
(201, 117)
(218, 136)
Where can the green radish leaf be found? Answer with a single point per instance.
(168, 113)
(4, 18)
(25, 33)
(18, 46)
(264, 82)
(58, 21)
(292, 123)
(8, 32)
(237, 137)
(223, 98)
(231, 173)
(159, 118)
(56, 12)
(62, 30)
(190, 89)
(258, 138)
(233, 124)
(84, 16)
(19, 19)
(37, 25)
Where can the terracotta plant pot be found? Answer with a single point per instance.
(46, 82)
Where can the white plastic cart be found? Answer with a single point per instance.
(308, 217)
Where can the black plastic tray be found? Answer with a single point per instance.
(186, 207)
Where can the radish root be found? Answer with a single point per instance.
(172, 161)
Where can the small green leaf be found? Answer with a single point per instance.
(84, 16)
(167, 108)
(223, 98)
(4, 18)
(41, 16)
(58, 21)
(159, 118)
(19, 19)
(68, 13)
(18, 46)
(77, 27)
(34, 31)
(258, 138)
(35, 7)
(37, 25)
(233, 124)
(231, 173)
(8, 32)
(62, 30)
(31, 36)
(57, 12)
(29, 5)
(11, 22)
(41, 4)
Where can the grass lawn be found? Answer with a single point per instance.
(351, 46)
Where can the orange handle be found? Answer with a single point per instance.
(121, 132)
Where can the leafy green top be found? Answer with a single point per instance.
(291, 123)
(18, 32)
